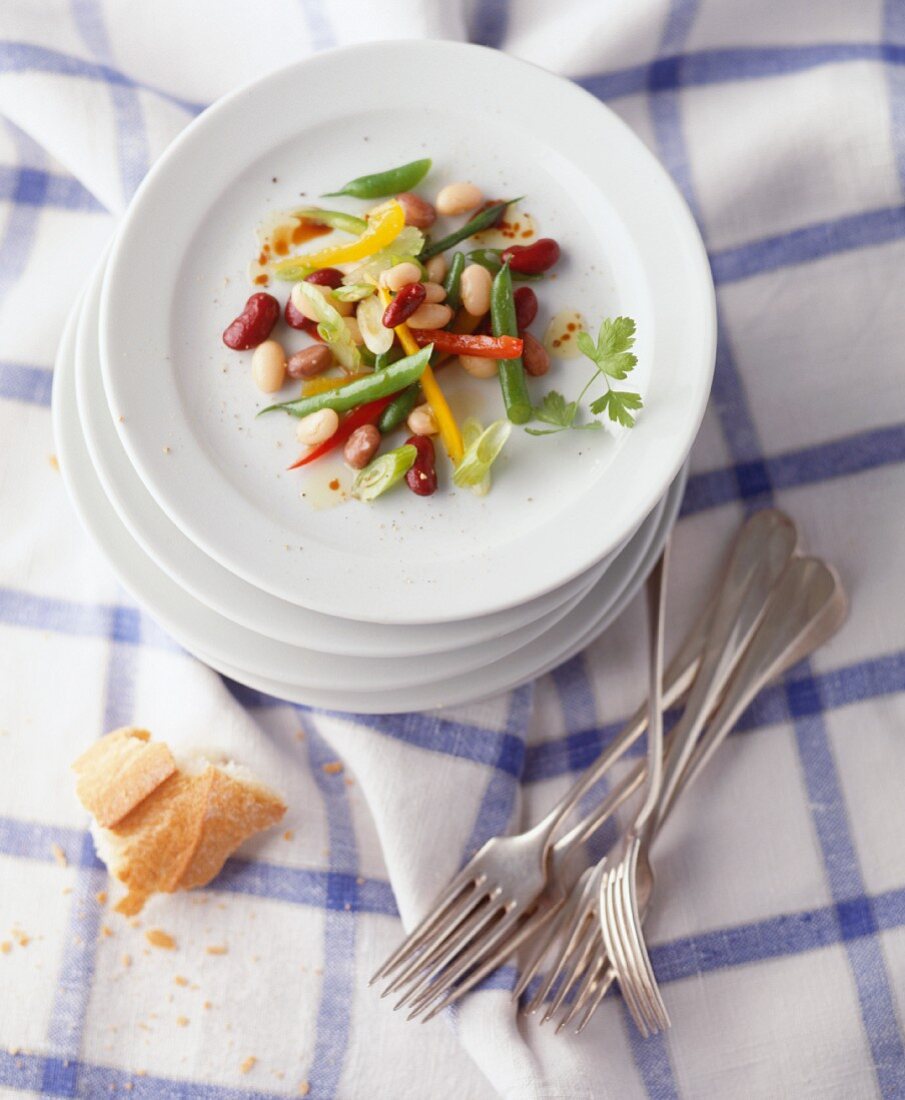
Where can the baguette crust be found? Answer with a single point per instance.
(119, 771)
(168, 829)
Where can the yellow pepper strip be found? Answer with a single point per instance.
(324, 385)
(384, 227)
(446, 422)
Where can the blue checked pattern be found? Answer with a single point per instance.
(781, 943)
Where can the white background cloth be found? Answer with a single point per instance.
(779, 930)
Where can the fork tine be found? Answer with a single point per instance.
(625, 968)
(555, 918)
(529, 926)
(438, 941)
(447, 982)
(447, 952)
(614, 949)
(420, 932)
(570, 923)
(584, 989)
(648, 987)
(580, 957)
(603, 986)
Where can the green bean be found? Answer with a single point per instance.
(368, 357)
(452, 280)
(511, 371)
(336, 219)
(492, 259)
(385, 358)
(390, 182)
(397, 411)
(484, 219)
(379, 384)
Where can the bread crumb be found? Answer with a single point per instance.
(289, 834)
(59, 855)
(248, 1065)
(106, 931)
(21, 938)
(349, 781)
(179, 980)
(6, 946)
(182, 1021)
(360, 881)
(300, 735)
(126, 960)
(217, 949)
(135, 923)
(66, 890)
(304, 1088)
(333, 767)
(156, 937)
(207, 1004)
(101, 897)
(54, 462)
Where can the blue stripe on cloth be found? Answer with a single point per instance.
(721, 66)
(894, 34)
(489, 23)
(808, 243)
(338, 989)
(53, 1076)
(295, 885)
(114, 621)
(66, 1025)
(38, 187)
(318, 22)
(25, 57)
(822, 462)
(495, 812)
(31, 385)
(131, 134)
(22, 223)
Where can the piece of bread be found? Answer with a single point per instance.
(162, 828)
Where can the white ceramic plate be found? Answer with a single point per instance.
(508, 674)
(203, 631)
(185, 406)
(240, 601)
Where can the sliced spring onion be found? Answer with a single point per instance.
(331, 327)
(354, 293)
(472, 429)
(384, 472)
(405, 246)
(377, 338)
(482, 453)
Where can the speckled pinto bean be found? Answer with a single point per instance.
(535, 357)
(254, 324)
(309, 361)
(418, 212)
(361, 446)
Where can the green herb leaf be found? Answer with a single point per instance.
(555, 410)
(617, 404)
(613, 355)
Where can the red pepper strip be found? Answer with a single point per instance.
(364, 414)
(485, 347)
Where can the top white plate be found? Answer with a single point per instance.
(185, 406)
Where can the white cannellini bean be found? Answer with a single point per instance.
(421, 421)
(475, 289)
(397, 277)
(433, 292)
(268, 366)
(436, 269)
(458, 198)
(317, 427)
(478, 367)
(430, 315)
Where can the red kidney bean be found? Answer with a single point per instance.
(296, 319)
(404, 305)
(422, 477)
(327, 276)
(535, 358)
(532, 259)
(525, 307)
(254, 324)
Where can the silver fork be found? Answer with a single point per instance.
(806, 607)
(759, 554)
(492, 905)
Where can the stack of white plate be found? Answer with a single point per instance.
(406, 603)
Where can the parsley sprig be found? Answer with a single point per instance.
(614, 360)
